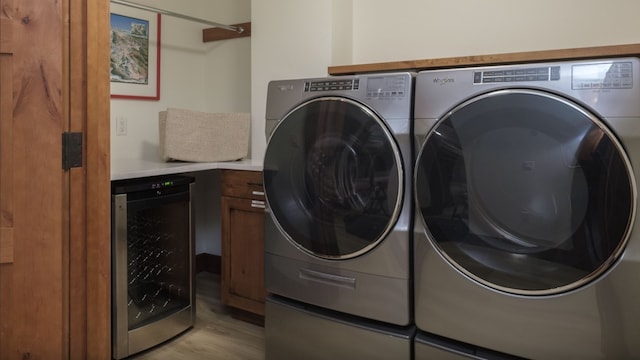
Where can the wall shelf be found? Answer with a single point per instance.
(216, 34)
(493, 59)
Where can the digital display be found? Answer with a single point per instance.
(608, 75)
(386, 87)
(591, 71)
(385, 84)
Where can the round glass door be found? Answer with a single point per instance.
(525, 192)
(332, 178)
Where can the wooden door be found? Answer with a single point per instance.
(32, 276)
(54, 224)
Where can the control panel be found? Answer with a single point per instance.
(604, 75)
(382, 87)
(546, 73)
(332, 85)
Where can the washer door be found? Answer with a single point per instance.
(332, 178)
(525, 192)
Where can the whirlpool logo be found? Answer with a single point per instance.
(444, 81)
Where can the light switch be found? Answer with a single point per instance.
(121, 126)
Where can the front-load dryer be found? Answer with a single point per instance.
(337, 179)
(526, 236)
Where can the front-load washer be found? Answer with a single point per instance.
(526, 236)
(337, 180)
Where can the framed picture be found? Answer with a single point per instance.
(135, 53)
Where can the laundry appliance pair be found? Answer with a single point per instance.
(494, 209)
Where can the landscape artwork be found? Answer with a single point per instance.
(129, 50)
(135, 53)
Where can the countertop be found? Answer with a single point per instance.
(137, 168)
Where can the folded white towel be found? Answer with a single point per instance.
(189, 135)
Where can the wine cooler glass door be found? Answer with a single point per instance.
(152, 263)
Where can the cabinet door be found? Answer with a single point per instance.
(243, 254)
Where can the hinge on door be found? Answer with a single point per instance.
(71, 150)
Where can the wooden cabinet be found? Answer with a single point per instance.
(243, 241)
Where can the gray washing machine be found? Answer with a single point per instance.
(526, 237)
(337, 179)
(337, 173)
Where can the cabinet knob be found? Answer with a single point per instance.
(257, 204)
(258, 193)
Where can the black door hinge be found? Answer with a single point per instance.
(71, 150)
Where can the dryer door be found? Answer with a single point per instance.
(332, 178)
(525, 192)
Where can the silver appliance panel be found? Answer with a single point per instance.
(439, 88)
(296, 331)
(358, 293)
(389, 94)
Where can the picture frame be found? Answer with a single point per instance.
(135, 53)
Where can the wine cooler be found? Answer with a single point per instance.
(153, 293)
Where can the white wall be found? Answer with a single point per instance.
(211, 76)
(418, 29)
(293, 39)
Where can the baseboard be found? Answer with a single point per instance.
(208, 262)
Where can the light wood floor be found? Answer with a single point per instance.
(216, 335)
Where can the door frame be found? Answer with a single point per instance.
(88, 105)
